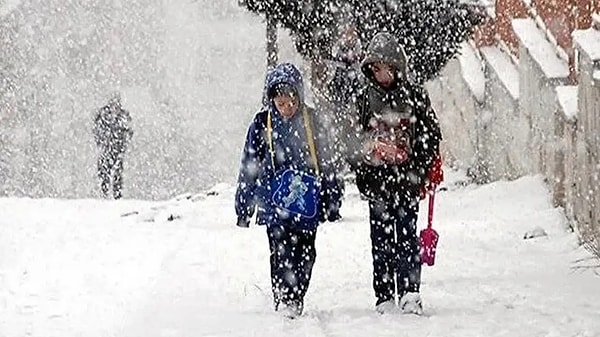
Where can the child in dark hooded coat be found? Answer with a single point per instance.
(397, 144)
(285, 135)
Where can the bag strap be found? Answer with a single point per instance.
(270, 137)
(309, 137)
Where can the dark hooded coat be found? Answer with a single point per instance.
(406, 101)
(291, 152)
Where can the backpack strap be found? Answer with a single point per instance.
(270, 138)
(311, 140)
(309, 137)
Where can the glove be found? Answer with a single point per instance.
(379, 152)
(333, 213)
(435, 176)
(243, 222)
(329, 213)
(334, 216)
(389, 153)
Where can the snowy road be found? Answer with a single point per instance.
(78, 268)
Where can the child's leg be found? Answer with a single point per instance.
(117, 174)
(292, 258)
(408, 258)
(382, 245)
(104, 167)
(277, 237)
(305, 255)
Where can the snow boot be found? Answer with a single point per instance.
(290, 310)
(386, 307)
(411, 303)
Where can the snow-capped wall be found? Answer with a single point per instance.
(533, 120)
(541, 70)
(457, 115)
(588, 209)
(505, 129)
(478, 120)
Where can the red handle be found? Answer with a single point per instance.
(431, 202)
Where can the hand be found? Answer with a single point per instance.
(333, 211)
(243, 222)
(435, 176)
(334, 216)
(329, 213)
(386, 152)
(426, 189)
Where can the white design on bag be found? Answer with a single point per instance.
(297, 191)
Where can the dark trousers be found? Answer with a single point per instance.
(293, 255)
(395, 248)
(110, 173)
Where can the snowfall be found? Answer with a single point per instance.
(507, 262)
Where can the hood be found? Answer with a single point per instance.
(385, 48)
(285, 73)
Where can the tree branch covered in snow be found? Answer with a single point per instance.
(430, 31)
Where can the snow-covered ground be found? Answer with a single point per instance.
(181, 268)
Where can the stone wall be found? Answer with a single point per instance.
(457, 108)
(587, 212)
(532, 118)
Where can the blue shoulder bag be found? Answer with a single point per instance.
(296, 193)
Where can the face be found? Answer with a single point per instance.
(384, 74)
(350, 34)
(287, 105)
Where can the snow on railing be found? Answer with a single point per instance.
(552, 66)
(539, 21)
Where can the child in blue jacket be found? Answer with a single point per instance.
(286, 136)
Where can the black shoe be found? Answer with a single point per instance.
(383, 299)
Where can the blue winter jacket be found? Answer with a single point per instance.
(291, 151)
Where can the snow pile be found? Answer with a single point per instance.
(472, 71)
(540, 49)
(589, 41)
(567, 98)
(503, 67)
